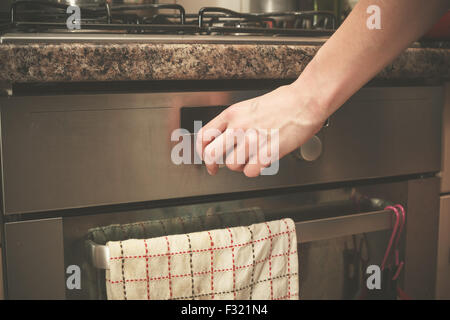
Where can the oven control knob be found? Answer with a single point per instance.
(310, 150)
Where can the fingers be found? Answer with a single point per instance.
(262, 158)
(209, 132)
(237, 158)
(244, 149)
(248, 151)
(214, 152)
(256, 152)
(255, 166)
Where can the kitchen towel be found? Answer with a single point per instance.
(244, 263)
(93, 279)
(175, 225)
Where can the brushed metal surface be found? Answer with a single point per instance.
(421, 238)
(269, 6)
(100, 255)
(310, 150)
(89, 150)
(35, 259)
(445, 182)
(2, 294)
(335, 227)
(5, 5)
(443, 263)
(76, 2)
(157, 38)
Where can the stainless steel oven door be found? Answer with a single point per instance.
(41, 255)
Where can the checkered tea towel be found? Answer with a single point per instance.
(253, 262)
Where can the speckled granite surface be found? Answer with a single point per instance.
(155, 61)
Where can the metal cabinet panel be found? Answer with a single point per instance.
(443, 268)
(421, 238)
(63, 152)
(445, 183)
(35, 259)
(2, 294)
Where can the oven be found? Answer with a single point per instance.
(74, 163)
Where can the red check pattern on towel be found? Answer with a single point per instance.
(242, 263)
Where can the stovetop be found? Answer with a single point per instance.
(42, 20)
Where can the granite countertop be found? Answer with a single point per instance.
(90, 61)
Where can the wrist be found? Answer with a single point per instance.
(314, 93)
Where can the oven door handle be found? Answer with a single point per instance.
(99, 255)
(307, 231)
(335, 227)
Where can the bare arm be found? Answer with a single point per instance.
(347, 61)
(355, 54)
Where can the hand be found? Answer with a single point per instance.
(296, 116)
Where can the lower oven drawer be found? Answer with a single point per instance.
(43, 255)
(61, 152)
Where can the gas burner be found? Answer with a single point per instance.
(43, 16)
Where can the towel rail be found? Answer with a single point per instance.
(99, 255)
(328, 228)
(307, 231)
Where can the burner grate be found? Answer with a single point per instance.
(43, 16)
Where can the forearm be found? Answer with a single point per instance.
(355, 54)
(350, 58)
